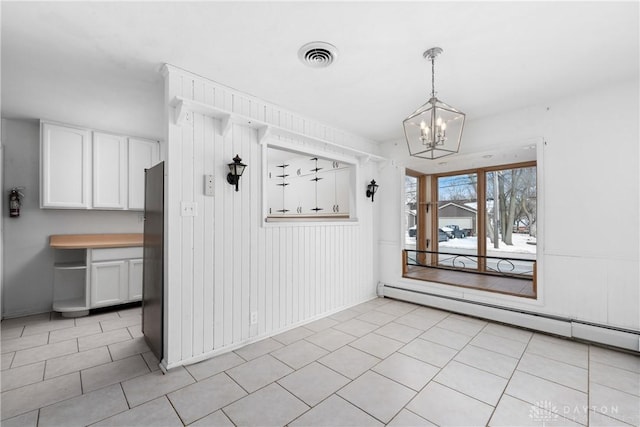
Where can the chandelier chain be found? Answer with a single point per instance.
(433, 77)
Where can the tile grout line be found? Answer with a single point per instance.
(370, 369)
(515, 368)
(335, 393)
(588, 384)
(442, 368)
(378, 327)
(544, 379)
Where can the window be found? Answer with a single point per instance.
(483, 222)
(510, 207)
(411, 211)
(457, 219)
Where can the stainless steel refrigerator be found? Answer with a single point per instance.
(153, 263)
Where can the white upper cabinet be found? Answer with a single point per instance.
(342, 190)
(315, 187)
(142, 155)
(81, 169)
(109, 171)
(65, 162)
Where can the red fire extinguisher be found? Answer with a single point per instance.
(15, 201)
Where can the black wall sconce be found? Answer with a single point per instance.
(235, 171)
(372, 187)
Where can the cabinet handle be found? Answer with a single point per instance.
(337, 208)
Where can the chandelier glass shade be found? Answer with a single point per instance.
(435, 129)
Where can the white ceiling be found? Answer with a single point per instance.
(67, 61)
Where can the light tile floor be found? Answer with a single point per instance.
(381, 362)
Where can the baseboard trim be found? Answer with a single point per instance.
(571, 328)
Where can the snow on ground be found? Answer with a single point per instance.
(520, 245)
(468, 245)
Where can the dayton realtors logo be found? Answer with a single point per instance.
(543, 412)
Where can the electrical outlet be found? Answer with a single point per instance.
(208, 185)
(189, 209)
(254, 317)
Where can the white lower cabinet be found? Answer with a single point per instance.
(109, 283)
(135, 279)
(114, 277)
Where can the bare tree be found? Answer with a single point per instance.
(516, 201)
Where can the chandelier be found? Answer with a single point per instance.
(434, 130)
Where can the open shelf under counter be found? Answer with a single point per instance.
(96, 270)
(74, 265)
(72, 307)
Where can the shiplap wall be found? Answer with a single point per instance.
(224, 263)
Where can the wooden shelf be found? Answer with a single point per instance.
(92, 241)
(182, 105)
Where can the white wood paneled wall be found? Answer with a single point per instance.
(224, 263)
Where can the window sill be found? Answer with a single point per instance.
(308, 221)
(483, 282)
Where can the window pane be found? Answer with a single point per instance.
(511, 219)
(411, 209)
(457, 221)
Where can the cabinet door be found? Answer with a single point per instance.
(343, 186)
(275, 196)
(307, 189)
(108, 283)
(135, 279)
(109, 171)
(142, 155)
(65, 167)
(293, 196)
(325, 191)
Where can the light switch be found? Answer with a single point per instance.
(189, 209)
(208, 185)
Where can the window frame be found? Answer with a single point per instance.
(481, 192)
(430, 200)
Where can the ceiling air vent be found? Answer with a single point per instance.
(318, 54)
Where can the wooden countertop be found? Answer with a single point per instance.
(86, 241)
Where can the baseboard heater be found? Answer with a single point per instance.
(603, 334)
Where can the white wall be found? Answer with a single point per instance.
(588, 213)
(225, 263)
(27, 258)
